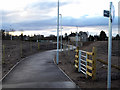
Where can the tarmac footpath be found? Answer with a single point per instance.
(37, 71)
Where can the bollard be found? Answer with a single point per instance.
(38, 46)
(68, 50)
(21, 49)
(77, 59)
(3, 56)
(30, 46)
(94, 63)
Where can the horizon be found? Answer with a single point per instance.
(90, 29)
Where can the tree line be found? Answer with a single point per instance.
(101, 37)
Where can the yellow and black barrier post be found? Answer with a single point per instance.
(91, 64)
(77, 58)
(94, 63)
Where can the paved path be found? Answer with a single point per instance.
(37, 71)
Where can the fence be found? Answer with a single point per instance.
(85, 62)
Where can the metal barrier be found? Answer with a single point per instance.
(82, 62)
(85, 62)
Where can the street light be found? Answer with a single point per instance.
(61, 30)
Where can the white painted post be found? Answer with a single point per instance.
(109, 48)
(79, 60)
(58, 35)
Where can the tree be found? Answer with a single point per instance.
(21, 36)
(103, 36)
(117, 37)
(96, 38)
(91, 38)
(66, 36)
(3, 34)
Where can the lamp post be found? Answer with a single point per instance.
(58, 35)
(61, 30)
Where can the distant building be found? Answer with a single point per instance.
(82, 36)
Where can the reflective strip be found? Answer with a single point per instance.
(76, 56)
(83, 65)
(89, 53)
(83, 56)
(89, 67)
(83, 72)
(76, 50)
(83, 51)
(83, 60)
(76, 61)
(90, 61)
(90, 74)
(83, 68)
(76, 66)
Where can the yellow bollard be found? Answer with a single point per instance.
(77, 58)
(94, 63)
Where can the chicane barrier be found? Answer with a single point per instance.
(85, 62)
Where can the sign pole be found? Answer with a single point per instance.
(58, 35)
(109, 49)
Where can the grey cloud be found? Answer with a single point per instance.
(45, 5)
(67, 21)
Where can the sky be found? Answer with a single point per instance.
(40, 16)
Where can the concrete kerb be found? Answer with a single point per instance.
(12, 68)
(65, 74)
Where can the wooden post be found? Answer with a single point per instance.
(68, 51)
(38, 46)
(87, 64)
(3, 56)
(21, 49)
(30, 46)
(94, 63)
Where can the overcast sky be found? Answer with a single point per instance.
(42, 14)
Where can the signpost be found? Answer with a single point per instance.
(58, 36)
(109, 14)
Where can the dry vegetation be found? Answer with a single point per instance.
(67, 64)
(16, 50)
